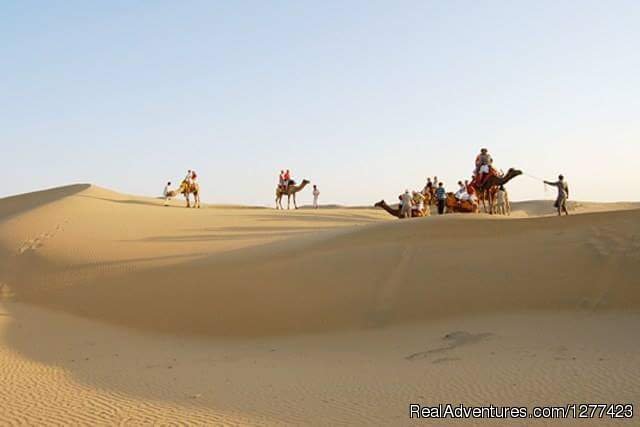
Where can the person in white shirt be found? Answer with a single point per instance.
(189, 177)
(502, 202)
(167, 193)
(405, 212)
(462, 194)
(316, 193)
(418, 201)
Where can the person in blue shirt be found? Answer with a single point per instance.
(441, 195)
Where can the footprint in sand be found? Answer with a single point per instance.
(454, 340)
(38, 241)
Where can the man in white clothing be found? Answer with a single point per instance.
(316, 193)
(167, 193)
(405, 212)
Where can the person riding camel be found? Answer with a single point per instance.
(418, 201)
(281, 181)
(484, 165)
(428, 187)
(471, 191)
(188, 177)
(287, 179)
(462, 194)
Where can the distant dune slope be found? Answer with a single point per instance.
(242, 272)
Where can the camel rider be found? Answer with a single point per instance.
(471, 191)
(428, 186)
(189, 177)
(484, 164)
(287, 179)
(281, 181)
(405, 211)
(194, 177)
(462, 194)
(418, 201)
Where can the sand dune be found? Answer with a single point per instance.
(344, 291)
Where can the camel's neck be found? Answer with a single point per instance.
(504, 179)
(297, 188)
(498, 180)
(388, 208)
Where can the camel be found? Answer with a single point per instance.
(455, 205)
(396, 212)
(290, 191)
(488, 190)
(187, 189)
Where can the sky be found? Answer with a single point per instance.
(363, 98)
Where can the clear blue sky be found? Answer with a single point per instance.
(365, 98)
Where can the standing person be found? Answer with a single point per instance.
(405, 211)
(167, 193)
(441, 195)
(316, 193)
(501, 201)
(563, 194)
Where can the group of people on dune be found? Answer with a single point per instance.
(434, 191)
(465, 199)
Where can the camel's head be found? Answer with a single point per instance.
(513, 172)
(379, 204)
(306, 181)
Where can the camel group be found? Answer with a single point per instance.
(486, 196)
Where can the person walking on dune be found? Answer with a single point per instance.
(441, 195)
(316, 193)
(563, 194)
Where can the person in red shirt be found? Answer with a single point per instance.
(471, 190)
(287, 179)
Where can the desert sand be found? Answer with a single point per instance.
(115, 309)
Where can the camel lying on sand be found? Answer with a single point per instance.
(452, 204)
(396, 211)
